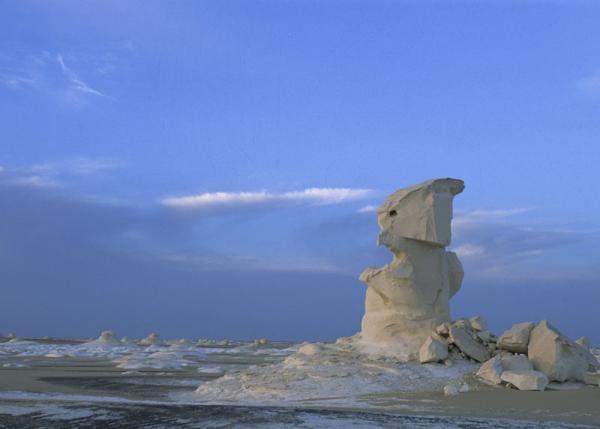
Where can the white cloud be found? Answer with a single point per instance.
(240, 263)
(76, 83)
(468, 217)
(54, 174)
(229, 199)
(368, 209)
(469, 250)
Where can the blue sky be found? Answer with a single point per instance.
(206, 169)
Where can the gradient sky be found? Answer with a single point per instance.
(209, 169)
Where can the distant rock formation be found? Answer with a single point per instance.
(408, 298)
(106, 337)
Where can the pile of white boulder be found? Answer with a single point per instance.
(526, 357)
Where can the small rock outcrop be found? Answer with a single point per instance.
(408, 298)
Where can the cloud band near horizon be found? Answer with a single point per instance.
(317, 196)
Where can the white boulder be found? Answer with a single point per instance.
(557, 356)
(491, 370)
(463, 340)
(526, 380)
(516, 338)
(433, 350)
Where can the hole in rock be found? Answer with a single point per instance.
(393, 213)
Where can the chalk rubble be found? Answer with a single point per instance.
(516, 338)
(465, 342)
(526, 380)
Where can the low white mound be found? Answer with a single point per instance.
(106, 337)
(334, 373)
(153, 339)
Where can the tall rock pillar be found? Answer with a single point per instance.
(408, 298)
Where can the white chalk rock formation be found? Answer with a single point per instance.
(106, 337)
(433, 350)
(516, 338)
(557, 356)
(526, 380)
(151, 339)
(408, 298)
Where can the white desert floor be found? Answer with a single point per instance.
(53, 383)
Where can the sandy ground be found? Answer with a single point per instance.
(573, 406)
(99, 378)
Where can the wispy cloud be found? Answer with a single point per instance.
(239, 263)
(468, 250)
(233, 199)
(80, 166)
(368, 209)
(511, 243)
(76, 83)
(57, 173)
(33, 181)
(55, 75)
